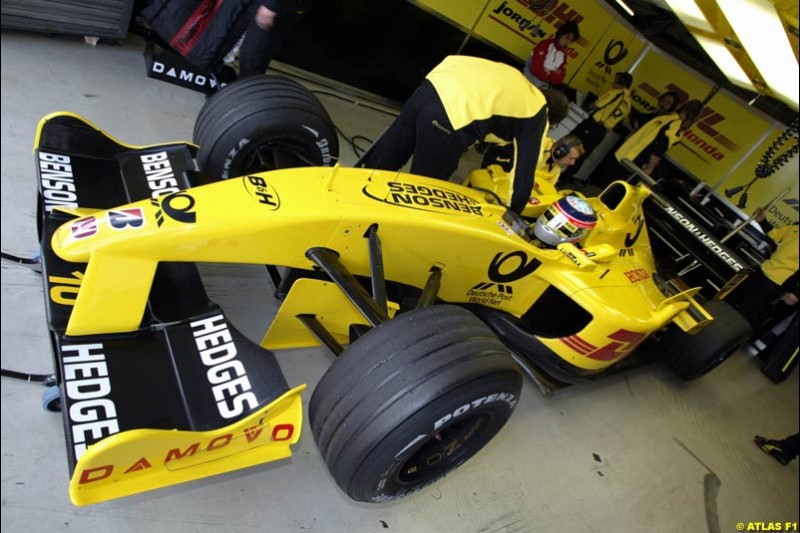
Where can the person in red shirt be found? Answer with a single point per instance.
(547, 65)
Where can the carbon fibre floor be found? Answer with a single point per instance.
(637, 452)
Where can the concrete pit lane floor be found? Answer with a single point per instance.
(637, 452)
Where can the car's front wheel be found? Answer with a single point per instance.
(412, 400)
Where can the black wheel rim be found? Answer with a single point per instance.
(276, 154)
(446, 449)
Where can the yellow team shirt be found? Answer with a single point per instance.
(612, 107)
(642, 138)
(494, 102)
(784, 262)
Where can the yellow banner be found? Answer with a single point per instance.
(763, 191)
(604, 46)
(463, 12)
(721, 135)
(615, 51)
(515, 27)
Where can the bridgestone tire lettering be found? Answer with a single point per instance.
(411, 400)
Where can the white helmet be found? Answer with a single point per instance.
(567, 220)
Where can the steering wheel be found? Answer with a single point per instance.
(515, 221)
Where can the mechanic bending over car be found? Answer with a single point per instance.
(462, 101)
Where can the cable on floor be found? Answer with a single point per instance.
(45, 379)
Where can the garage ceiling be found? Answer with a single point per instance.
(660, 25)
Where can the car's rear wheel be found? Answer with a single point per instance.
(692, 356)
(411, 400)
(263, 123)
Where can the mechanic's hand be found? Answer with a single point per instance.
(758, 214)
(265, 17)
(789, 298)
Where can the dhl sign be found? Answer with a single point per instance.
(717, 141)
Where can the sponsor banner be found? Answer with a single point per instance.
(615, 51)
(722, 134)
(605, 45)
(515, 27)
(87, 387)
(463, 13)
(784, 211)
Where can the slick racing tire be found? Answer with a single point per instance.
(411, 400)
(263, 123)
(691, 356)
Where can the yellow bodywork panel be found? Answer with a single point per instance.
(275, 217)
(326, 302)
(101, 310)
(145, 459)
(695, 317)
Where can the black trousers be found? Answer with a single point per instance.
(754, 297)
(424, 131)
(790, 446)
(260, 46)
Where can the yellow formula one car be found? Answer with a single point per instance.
(431, 295)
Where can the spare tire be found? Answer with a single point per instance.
(263, 123)
(411, 400)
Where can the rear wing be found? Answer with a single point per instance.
(687, 248)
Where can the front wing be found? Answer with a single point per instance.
(186, 395)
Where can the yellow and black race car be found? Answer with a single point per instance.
(434, 298)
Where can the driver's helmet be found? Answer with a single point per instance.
(567, 220)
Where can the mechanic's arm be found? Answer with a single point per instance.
(265, 17)
(766, 228)
(651, 164)
(791, 288)
(557, 76)
(527, 149)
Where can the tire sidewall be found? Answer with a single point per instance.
(245, 137)
(719, 357)
(693, 356)
(488, 399)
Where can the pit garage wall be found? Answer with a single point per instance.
(721, 148)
